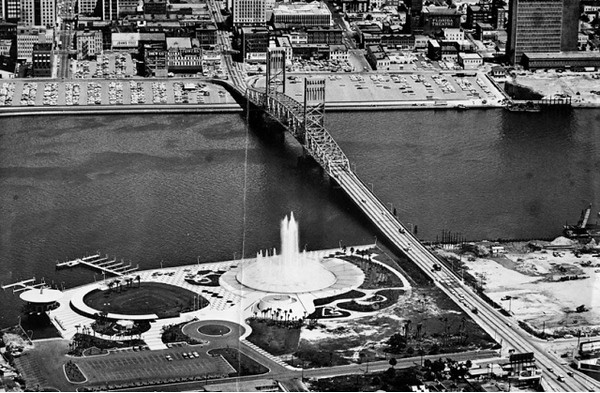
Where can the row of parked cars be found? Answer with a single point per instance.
(137, 92)
(72, 93)
(185, 355)
(50, 94)
(159, 92)
(94, 93)
(115, 93)
(28, 94)
(7, 92)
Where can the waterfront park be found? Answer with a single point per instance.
(286, 311)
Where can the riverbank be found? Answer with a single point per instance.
(119, 110)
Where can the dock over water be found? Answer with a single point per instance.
(104, 264)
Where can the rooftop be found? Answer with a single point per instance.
(316, 8)
(562, 55)
(436, 10)
(179, 42)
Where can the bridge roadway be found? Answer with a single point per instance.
(496, 325)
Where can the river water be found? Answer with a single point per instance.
(169, 189)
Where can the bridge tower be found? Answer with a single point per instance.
(314, 107)
(275, 81)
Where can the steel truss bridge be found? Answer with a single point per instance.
(305, 121)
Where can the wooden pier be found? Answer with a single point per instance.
(104, 264)
(25, 285)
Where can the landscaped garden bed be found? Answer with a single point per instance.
(113, 328)
(347, 295)
(275, 337)
(174, 334)
(381, 299)
(73, 373)
(376, 275)
(82, 342)
(242, 364)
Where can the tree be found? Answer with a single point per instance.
(138, 278)
(393, 362)
(397, 342)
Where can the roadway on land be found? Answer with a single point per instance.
(289, 377)
(512, 337)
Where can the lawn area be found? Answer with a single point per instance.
(150, 298)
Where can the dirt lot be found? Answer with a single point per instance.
(532, 285)
(568, 83)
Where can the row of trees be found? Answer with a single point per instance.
(128, 283)
(280, 315)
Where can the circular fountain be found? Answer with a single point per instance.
(289, 272)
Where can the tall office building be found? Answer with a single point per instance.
(38, 13)
(11, 10)
(86, 7)
(110, 9)
(541, 26)
(249, 12)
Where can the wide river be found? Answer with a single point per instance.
(170, 188)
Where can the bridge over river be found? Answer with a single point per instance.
(305, 121)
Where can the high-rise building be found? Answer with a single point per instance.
(86, 7)
(38, 13)
(249, 13)
(541, 26)
(11, 10)
(110, 9)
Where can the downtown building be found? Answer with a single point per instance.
(10, 10)
(38, 13)
(302, 14)
(41, 59)
(541, 26)
(86, 7)
(28, 36)
(89, 44)
(249, 13)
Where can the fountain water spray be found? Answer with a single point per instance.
(291, 271)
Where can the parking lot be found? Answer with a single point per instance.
(463, 88)
(128, 367)
(112, 92)
(107, 66)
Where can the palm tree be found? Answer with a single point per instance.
(407, 329)
(138, 278)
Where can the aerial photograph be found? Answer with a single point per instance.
(307, 196)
